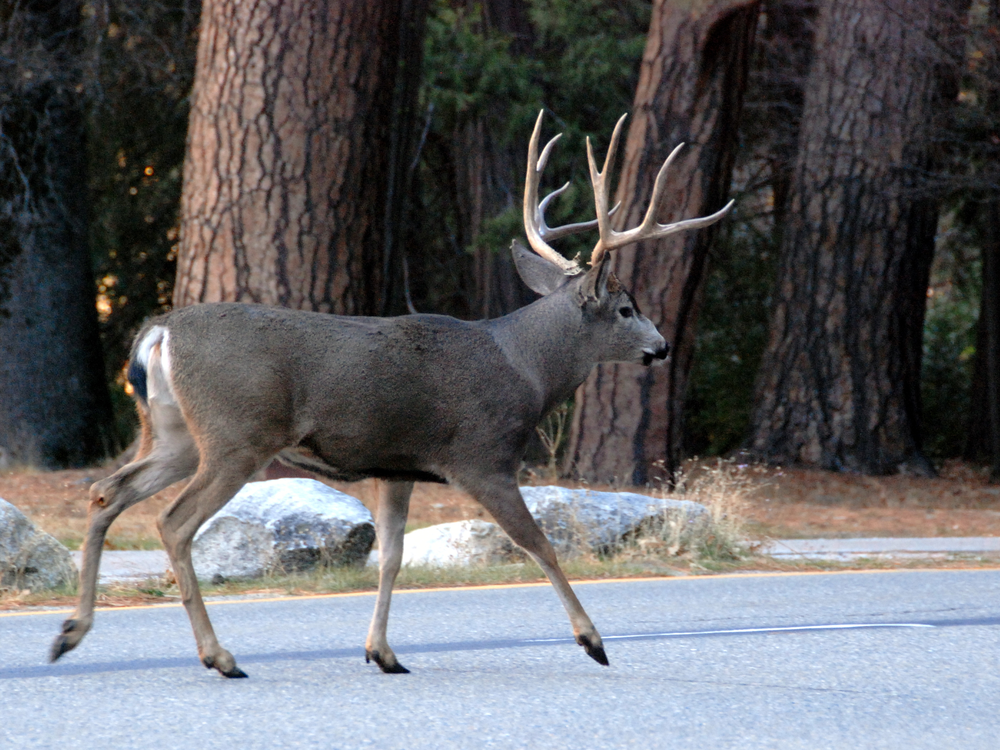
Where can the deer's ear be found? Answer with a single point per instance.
(595, 285)
(539, 274)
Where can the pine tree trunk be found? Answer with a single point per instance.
(627, 421)
(839, 385)
(484, 178)
(290, 148)
(484, 189)
(983, 437)
(990, 322)
(402, 162)
(984, 419)
(786, 47)
(54, 404)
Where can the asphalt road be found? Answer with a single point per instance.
(719, 662)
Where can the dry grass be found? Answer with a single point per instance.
(56, 501)
(725, 489)
(158, 591)
(796, 503)
(743, 502)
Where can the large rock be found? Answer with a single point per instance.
(283, 525)
(458, 543)
(578, 521)
(575, 521)
(30, 558)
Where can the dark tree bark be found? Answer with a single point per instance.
(402, 162)
(292, 156)
(984, 419)
(627, 422)
(786, 47)
(54, 404)
(839, 385)
(987, 400)
(484, 179)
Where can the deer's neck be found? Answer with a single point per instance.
(546, 342)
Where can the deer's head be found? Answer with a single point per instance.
(616, 328)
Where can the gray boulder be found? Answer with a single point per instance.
(458, 543)
(30, 558)
(588, 521)
(575, 521)
(283, 525)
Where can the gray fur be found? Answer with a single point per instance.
(415, 398)
(226, 388)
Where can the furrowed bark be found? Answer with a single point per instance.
(289, 153)
(984, 419)
(627, 422)
(839, 384)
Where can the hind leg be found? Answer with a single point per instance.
(163, 459)
(218, 478)
(393, 507)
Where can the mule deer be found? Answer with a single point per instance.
(221, 389)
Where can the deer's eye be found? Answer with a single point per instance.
(625, 312)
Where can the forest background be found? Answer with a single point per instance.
(845, 317)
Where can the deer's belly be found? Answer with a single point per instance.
(396, 468)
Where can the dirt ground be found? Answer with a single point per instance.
(786, 503)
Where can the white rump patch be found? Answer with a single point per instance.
(155, 335)
(153, 354)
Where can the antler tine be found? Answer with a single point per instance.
(534, 219)
(548, 233)
(649, 220)
(599, 181)
(649, 228)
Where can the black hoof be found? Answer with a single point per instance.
(594, 652)
(59, 647)
(394, 668)
(62, 643)
(234, 674)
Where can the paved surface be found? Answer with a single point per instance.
(846, 549)
(138, 566)
(907, 659)
(129, 566)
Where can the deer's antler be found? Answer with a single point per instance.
(534, 212)
(649, 228)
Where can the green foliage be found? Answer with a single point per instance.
(589, 51)
(484, 87)
(732, 333)
(950, 340)
(467, 72)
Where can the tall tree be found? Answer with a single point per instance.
(984, 419)
(292, 157)
(627, 422)
(839, 382)
(491, 65)
(54, 405)
(483, 164)
(986, 382)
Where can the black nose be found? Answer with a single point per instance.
(661, 353)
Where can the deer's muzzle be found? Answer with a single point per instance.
(661, 354)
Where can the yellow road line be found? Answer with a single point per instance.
(495, 586)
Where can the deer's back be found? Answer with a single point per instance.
(419, 392)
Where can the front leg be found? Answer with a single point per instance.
(501, 497)
(390, 525)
